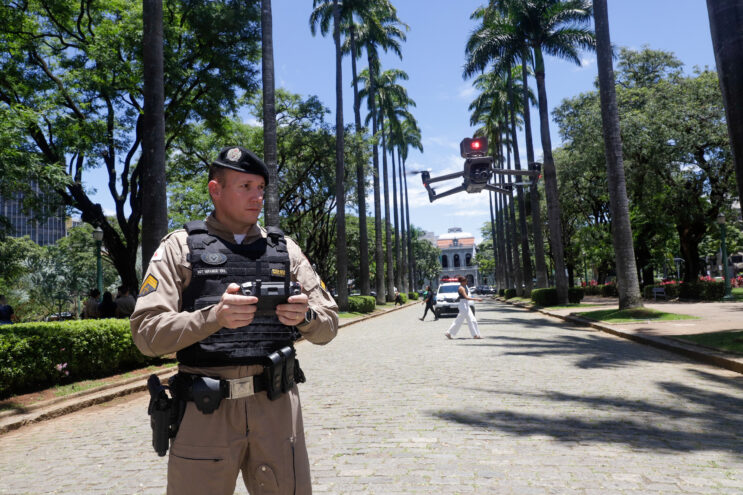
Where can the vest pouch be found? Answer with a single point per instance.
(206, 394)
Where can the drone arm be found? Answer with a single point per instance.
(491, 187)
(442, 178)
(434, 196)
(530, 173)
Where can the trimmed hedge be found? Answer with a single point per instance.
(362, 304)
(510, 293)
(42, 354)
(575, 294)
(404, 297)
(413, 296)
(702, 291)
(672, 290)
(609, 290)
(544, 297)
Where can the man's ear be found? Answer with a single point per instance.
(214, 188)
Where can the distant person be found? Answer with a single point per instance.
(428, 301)
(7, 316)
(398, 297)
(90, 308)
(465, 313)
(107, 307)
(124, 302)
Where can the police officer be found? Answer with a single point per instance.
(191, 303)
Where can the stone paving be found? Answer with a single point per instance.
(392, 407)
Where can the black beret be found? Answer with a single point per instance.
(242, 160)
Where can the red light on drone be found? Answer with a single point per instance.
(471, 147)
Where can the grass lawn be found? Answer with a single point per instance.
(731, 341)
(575, 305)
(633, 315)
(737, 293)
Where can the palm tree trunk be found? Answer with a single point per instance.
(360, 180)
(526, 255)
(621, 229)
(550, 183)
(269, 115)
(154, 198)
(403, 233)
(340, 193)
(378, 251)
(536, 214)
(726, 28)
(496, 264)
(411, 258)
(398, 260)
(387, 226)
(513, 227)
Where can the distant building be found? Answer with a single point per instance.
(458, 255)
(23, 224)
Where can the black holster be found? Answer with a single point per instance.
(165, 413)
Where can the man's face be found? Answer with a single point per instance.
(238, 199)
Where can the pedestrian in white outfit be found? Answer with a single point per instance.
(465, 313)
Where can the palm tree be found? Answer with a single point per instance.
(621, 230)
(553, 27)
(383, 33)
(269, 115)
(340, 243)
(154, 199)
(727, 40)
(497, 41)
(410, 136)
(389, 94)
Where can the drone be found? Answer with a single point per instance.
(477, 172)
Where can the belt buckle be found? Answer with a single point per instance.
(241, 387)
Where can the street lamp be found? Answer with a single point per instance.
(721, 222)
(98, 237)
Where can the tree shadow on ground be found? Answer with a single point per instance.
(694, 419)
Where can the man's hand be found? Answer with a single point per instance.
(235, 310)
(292, 312)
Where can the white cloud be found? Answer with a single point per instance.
(585, 63)
(466, 91)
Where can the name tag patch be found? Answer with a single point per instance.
(148, 286)
(278, 272)
(209, 272)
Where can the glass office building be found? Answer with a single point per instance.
(22, 224)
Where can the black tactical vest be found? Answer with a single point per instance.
(215, 264)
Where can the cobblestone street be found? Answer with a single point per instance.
(393, 407)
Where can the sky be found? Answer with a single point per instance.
(433, 56)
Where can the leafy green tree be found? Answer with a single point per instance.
(71, 96)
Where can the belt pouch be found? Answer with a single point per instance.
(287, 382)
(206, 394)
(274, 375)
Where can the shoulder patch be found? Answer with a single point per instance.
(149, 285)
(158, 255)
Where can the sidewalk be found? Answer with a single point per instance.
(712, 317)
(13, 419)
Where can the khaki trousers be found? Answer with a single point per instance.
(261, 438)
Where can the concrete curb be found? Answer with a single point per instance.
(13, 419)
(698, 353)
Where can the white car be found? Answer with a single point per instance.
(446, 299)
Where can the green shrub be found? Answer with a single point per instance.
(593, 290)
(413, 296)
(501, 292)
(575, 294)
(609, 290)
(362, 304)
(403, 297)
(544, 297)
(42, 354)
(702, 291)
(510, 293)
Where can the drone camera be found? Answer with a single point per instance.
(477, 173)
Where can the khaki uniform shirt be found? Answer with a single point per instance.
(160, 326)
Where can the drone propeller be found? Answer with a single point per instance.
(416, 172)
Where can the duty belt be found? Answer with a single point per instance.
(207, 392)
